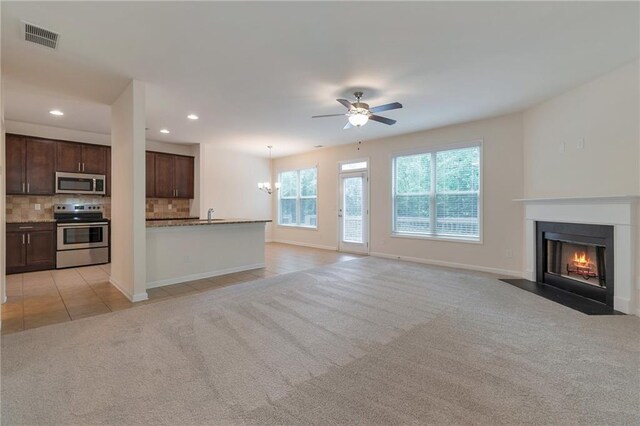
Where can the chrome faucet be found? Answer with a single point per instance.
(210, 214)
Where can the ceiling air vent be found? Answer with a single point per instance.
(39, 35)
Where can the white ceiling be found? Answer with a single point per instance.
(256, 72)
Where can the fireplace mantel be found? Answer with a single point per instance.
(618, 211)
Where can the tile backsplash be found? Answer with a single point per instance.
(158, 208)
(22, 207)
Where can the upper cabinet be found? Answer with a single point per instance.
(173, 176)
(81, 158)
(30, 165)
(151, 174)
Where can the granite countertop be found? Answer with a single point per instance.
(174, 218)
(199, 222)
(31, 220)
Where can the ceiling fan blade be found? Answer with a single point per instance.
(329, 115)
(346, 103)
(384, 120)
(386, 107)
(347, 126)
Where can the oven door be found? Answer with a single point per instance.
(73, 236)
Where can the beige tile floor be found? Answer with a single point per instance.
(36, 299)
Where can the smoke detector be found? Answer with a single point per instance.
(39, 35)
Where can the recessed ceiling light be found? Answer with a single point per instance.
(192, 117)
(165, 131)
(56, 112)
(318, 146)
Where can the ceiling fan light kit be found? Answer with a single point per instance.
(359, 113)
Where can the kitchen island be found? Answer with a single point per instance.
(186, 250)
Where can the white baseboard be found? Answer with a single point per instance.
(434, 262)
(138, 297)
(622, 305)
(122, 290)
(203, 275)
(297, 243)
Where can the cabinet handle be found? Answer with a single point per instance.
(23, 187)
(83, 167)
(22, 239)
(25, 227)
(79, 166)
(27, 187)
(177, 192)
(28, 238)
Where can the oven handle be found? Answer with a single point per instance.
(73, 225)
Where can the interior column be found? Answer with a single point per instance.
(128, 231)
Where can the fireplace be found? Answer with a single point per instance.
(576, 258)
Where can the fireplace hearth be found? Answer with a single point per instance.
(576, 258)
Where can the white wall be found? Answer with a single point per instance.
(603, 112)
(502, 182)
(228, 183)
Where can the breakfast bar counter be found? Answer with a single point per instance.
(186, 250)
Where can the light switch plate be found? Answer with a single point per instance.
(561, 148)
(580, 144)
(170, 206)
(36, 206)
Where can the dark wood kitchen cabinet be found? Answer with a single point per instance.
(30, 165)
(108, 173)
(81, 158)
(173, 176)
(16, 154)
(164, 175)
(150, 174)
(184, 176)
(30, 247)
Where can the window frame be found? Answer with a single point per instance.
(433, 213)
(298, 197)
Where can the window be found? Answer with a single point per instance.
(348, 167)
(297, 204)
(437, 193)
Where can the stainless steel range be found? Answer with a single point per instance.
(83, 235)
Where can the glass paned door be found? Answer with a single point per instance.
(353, 212)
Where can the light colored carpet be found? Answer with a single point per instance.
(368, 341)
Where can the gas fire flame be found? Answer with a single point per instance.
(581, 259)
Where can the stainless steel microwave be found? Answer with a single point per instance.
(80, 183)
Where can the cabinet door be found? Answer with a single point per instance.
(108, 172)
(16, 254)
(184, 177)
(40, 166)
(16, 158)
(151, 174)
(41, 249)
(94, 159)
(68, 157)
(165, 171)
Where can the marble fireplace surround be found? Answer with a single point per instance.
(620, 212)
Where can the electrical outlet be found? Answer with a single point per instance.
(508, 253)
(36, 206)
(170, 206)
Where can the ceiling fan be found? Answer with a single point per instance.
(359, 112)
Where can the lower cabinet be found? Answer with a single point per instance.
(30, 247)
